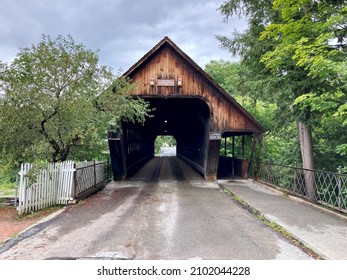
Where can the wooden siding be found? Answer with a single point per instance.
(167, 62)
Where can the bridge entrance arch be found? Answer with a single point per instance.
(187, 104)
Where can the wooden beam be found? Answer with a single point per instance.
(212, 160)
(243, 146)
(233, 146)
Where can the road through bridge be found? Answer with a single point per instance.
(166, 210)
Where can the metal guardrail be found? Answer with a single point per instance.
(330, 189)
(90, 175)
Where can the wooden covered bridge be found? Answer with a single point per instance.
(189, 105)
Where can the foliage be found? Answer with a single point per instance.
(293, 55)
(280, 142)
(59, 100)
(225, 73)
(7, 189)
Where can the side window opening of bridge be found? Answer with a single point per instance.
(234, 154)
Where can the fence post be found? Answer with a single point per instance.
(108, 168)
(16, 194)
(339, 184)
(75, 182)
(295, 176)
(268, 172)
(94, 173)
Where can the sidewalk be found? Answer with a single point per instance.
(321, 230)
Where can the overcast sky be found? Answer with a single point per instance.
(123, 30)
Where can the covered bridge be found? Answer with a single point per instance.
(189, 105)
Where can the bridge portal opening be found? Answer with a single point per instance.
(186, 120)
(165, 146)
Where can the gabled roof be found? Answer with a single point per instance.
(167, 41)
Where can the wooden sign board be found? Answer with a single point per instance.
(165, 83)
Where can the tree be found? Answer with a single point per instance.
(280, 142)
(225, 73)
(304, 34)
(58, 99)
(290, 44)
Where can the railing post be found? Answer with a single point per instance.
(339, 184)
(257, 168)
(268, 172)
(108, 168)
(295, 176)
(94, 173)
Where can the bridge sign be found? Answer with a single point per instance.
(215, 136)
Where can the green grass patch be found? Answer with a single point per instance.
(7, 189)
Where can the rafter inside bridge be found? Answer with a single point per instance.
(187, 104)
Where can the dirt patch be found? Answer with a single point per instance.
(11, 224)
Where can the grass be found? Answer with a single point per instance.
(7, 189)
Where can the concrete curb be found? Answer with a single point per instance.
(44, 220)
(303, 244)
(300, 199)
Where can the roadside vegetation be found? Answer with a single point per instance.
(292, 77)
(57, 104)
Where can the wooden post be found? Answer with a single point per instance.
(233, 147)
(212, 159)
(243, 146)
(225, 146)
(117, 157)
(233, 154)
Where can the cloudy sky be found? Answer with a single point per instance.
(123, 30)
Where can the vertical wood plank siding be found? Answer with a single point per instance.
(167, 63)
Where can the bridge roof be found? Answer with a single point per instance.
(233, 118)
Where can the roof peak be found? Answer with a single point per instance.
(167, 40)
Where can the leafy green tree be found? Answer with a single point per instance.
(225, 73)
(310, 39)
(58, 99)
(297, 49)
(280, 142)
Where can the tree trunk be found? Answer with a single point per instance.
(305, 139)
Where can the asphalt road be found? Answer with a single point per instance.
(166, 211)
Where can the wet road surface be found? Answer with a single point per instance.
(165, 211)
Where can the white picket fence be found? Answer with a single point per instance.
(51, 186)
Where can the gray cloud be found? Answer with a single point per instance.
(122, 30)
